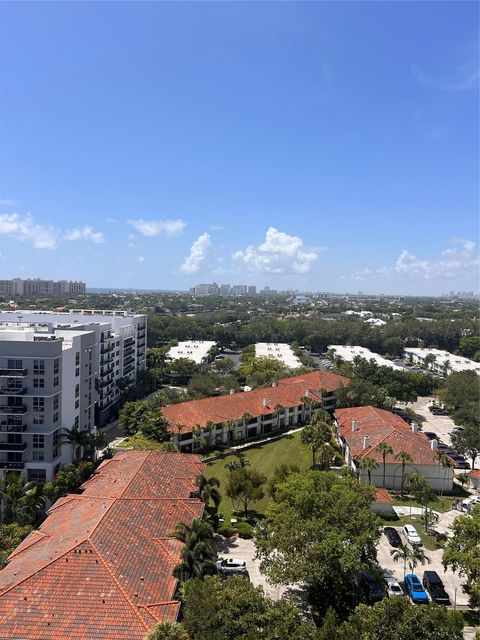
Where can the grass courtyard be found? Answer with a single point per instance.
(264, 458)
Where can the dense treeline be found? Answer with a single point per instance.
(315, 332)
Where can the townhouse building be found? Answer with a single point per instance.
(223, 420)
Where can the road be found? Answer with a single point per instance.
(441, 425)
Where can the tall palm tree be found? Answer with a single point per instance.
(314, 435)
(208, 490)
(246, 418)
(369, 464)
(306, 402)
(279, 409)
(18, 496)
(77, 439)
(446, 464)
(403, 457)
(386, 450)
(402, 552)
(230, 427)
(168, 631)
(325, 454)
(417, 556)
(198, 551)
(423, 492)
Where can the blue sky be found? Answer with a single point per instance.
(324, 146)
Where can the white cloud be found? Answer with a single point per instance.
(8, 202)
(158, 227)
(85, 233)
(24, 228)
(140, 259)
(462, 78)
(198, 252)
(279, 253)
(459, 261)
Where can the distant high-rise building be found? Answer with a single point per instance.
(252, 290)
(21, 287)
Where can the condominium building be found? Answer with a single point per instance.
(21, 287)
(278, 351)
(442, 363)
(196, 350)
(349, 354)
(120, 340)
(47, 384)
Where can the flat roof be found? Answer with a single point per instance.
(279, 351)
(348, 353)
(196, 350)
(455, 363)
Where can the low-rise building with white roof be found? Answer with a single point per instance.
(348, 353)
(440, 362)
(279, 351)
(196, 350)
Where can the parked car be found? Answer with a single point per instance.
(469, 503)
(457, 429)
(438, 411)
(370, 587)
(445, 448)
(414, 588)
(411, 535)
(229, 565)
(393, 587)
(435, 587)
(392, 536)
(459, 461)
(431, 435)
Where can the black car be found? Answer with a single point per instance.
(370, 587)
(392, 536)
(430, 435)
(434, 585)
(459, 461)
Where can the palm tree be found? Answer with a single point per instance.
(208, 490)
(77, 439)
(246, 418)
(446, 464)
(20, 499)
(423, 492)
(230, 427)
(386, 450)
(198, 552)
(325, 454)
(369, 464)
(403, 457)
(417, 556)
(306, 402)
(314, 435)
(210, 427)
(279, 410)
(168, 631)
(402, 552)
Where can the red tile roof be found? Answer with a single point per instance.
(474, 473)
(382, 495)
(101, 565)
(288, 393)
(382, 426)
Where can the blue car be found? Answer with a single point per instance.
(415, 590)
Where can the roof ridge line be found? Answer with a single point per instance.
(127, 598)
(191, 510)
(157, 604)
(137, 471)
(160, 542)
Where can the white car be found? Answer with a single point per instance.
(411, 535)
(393, 588)
(230, 565)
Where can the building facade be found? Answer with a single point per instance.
(120, 345)
(37, 286)
(441, 363)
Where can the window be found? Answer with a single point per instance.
(77, 372)
(77, 420)
(37, 475)
(56, 366)
(77, 390)
(39, 367)
(39, 404)
(56, 443)
(39, 383)
(15, 364)
(14, 438)
(77, 404)
(38, 455)
(38, 441)
(55, 402)
(55, 417)
(56, 381)
(38, 419)
(77, 358)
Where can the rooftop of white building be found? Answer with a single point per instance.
(278, 350)
(196, 350)
(455, 363)
(348, 353)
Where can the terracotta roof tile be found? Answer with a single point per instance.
(101, 565)
(474, 473)
(382, 495)
(288, 393)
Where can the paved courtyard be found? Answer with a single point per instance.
(441, 425)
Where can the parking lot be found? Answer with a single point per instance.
(441, 425)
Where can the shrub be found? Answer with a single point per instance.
(245, 530)
(227, 531)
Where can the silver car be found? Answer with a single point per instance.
(230, 565)
(393, 588)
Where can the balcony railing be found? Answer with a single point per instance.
(128, 341)
(10, 446)
(21, 408)
(13, 373)
(128, 360)
(128, 352)
(8, 427)
(105, 382)
(11, 465)
(141, 333)
(128, 369)
(13, 391)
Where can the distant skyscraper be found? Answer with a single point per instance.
(21, 287)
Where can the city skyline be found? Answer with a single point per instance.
(267, 144)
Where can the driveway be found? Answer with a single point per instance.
(245, 550)
(441, 425)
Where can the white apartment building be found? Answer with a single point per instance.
(37, 286)
(349, 353)
(120, 340)
(196, 350)
(442, 363)
(279, 351)
(47, 384)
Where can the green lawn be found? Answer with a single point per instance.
(441, 505)
(264, 458)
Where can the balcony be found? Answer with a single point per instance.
(21, 408)
(141, 334)
(10, 446)
(128, 341)
(13, 373)
(11, 466)
(128, 352)
(107, 349)
(128, 361)
(128, 369)
(105, 370)
(105, 382)
(8, 427)
(13, 391)
(140, 342)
